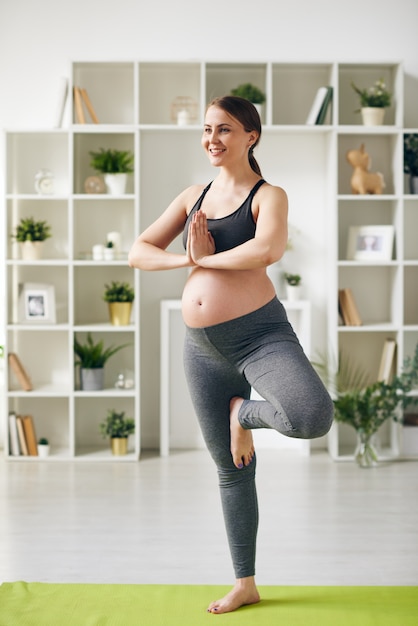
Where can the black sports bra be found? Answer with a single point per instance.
(233, 229)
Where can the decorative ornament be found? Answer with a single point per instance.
(363, 181)
(44, 182)
(94, 184)
(184, 110)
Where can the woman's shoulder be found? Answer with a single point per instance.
(268, 192)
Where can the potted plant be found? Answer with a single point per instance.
(252, 93)
(119, 296)
(118, 428)
(108, 251)
(293, 283)
(43, 447)
(373, 102)
(91, 359)
(31, 234)
(410, 160)
(365, 406)
(115, 165)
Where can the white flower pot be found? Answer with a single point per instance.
(293, 292)
(116, 184)
(31, 250)
(373, 116)
(43, 451)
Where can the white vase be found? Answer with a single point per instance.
(31, 250)
(373, 116)
(116, 184)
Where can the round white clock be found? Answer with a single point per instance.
(44, 182)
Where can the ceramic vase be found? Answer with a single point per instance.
(92, 379)
(120, 313)
(116, 184)
(373, 116)
(31, 250)
(119, 446)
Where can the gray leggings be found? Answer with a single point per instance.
(258, 350)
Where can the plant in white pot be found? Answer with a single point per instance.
(115, 165)
(410, 160)
(91, 358)
(293, 284)
(118, 428)
(373, 102)
(250, 92)
(43, 447)
(119, 296)
(31, 234)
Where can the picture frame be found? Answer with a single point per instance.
(370, 243)
(37, 303)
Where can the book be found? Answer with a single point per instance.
(325, 106)
(353, 314)
(343, 307)
(387, 361)
(21, 434)
(30, 435)
(317, 103)
(61, 101)
(348, 308)
(89, 106)
(79, 113)
(13, 435)
(19, 372)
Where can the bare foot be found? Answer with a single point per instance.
(244, 592)
(242, 447)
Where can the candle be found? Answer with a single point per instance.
(115, 238)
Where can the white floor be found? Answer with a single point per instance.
(159, 521)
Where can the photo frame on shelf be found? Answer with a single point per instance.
(370, 243)
(37, 303)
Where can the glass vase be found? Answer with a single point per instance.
(365, 453)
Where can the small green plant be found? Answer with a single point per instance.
(43, 441)
(375, 96)
(293, 279)
(118, 291)
(410, 154)
(366, 406)
(93, 355)
(31, 230)
(116, 425)
(249, 92)
(112, 161)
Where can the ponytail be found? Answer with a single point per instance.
(253, 162)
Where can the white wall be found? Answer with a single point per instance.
(39, 39)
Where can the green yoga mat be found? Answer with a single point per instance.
(44, 604)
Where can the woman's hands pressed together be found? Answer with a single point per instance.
(200, 242)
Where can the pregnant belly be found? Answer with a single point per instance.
(216, 296)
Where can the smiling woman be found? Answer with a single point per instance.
(237, 332)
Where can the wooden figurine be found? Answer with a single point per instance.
(363, 181)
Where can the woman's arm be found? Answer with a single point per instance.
(149, 250)
(267, 246)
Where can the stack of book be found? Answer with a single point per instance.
(320, 106)
(22, 435)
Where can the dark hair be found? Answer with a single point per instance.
(246, 113)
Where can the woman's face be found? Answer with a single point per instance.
(224, 138)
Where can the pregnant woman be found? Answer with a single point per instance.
(238, 336)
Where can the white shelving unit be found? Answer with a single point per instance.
(134, 103)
